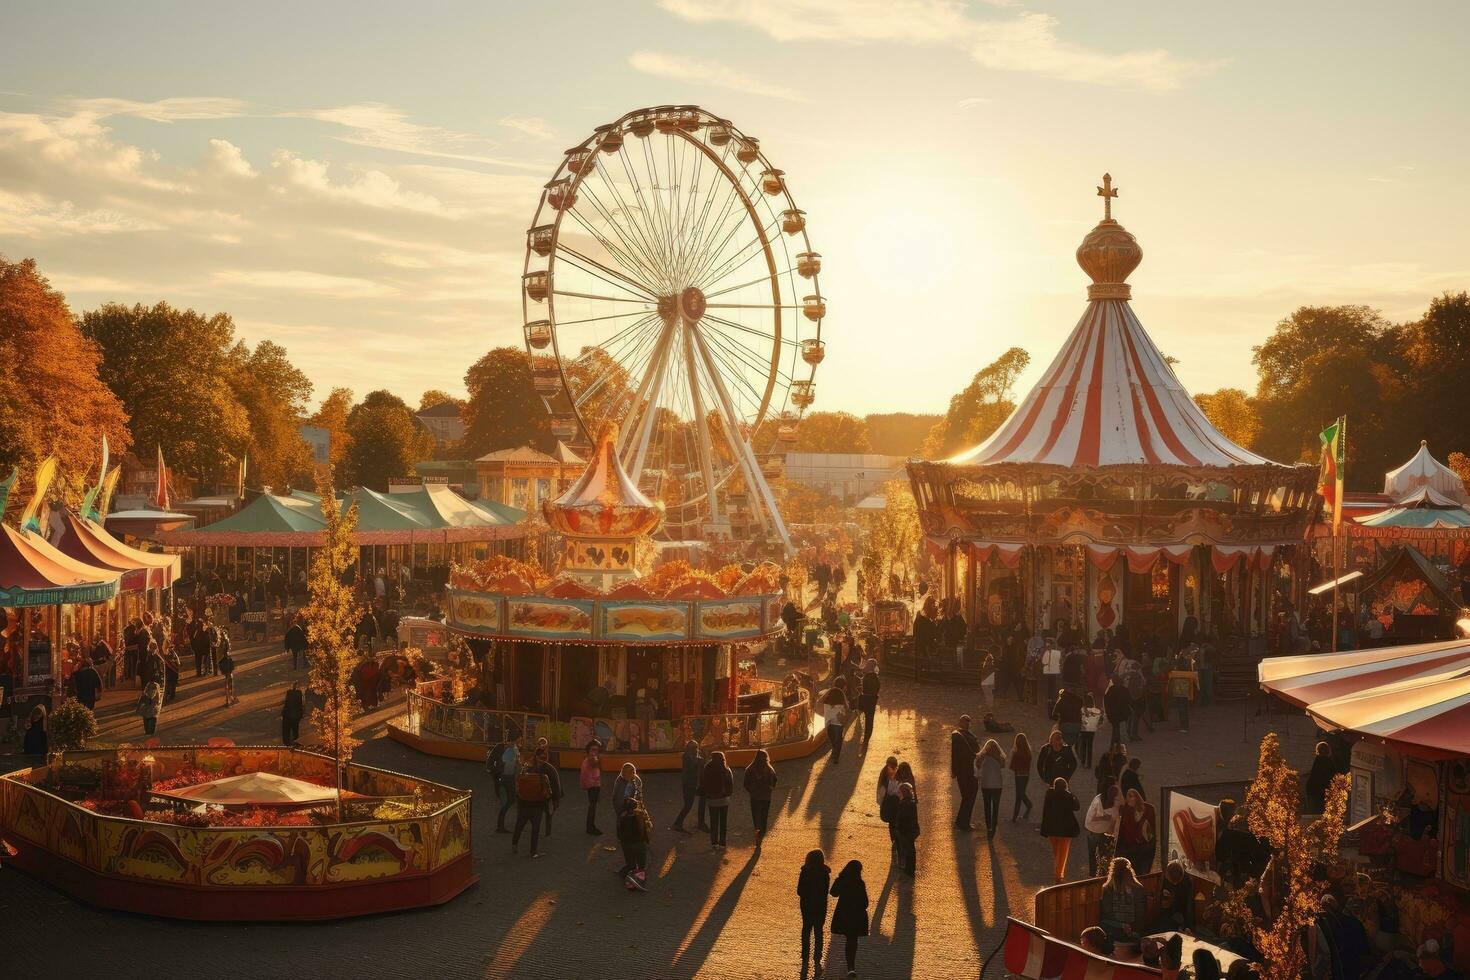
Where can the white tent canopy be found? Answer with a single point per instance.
(1423, 470)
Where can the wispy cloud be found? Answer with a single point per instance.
(304, 281)
(970, 103)
(163, 110)
(531, 127)
(1023, 42)
(383, 127)
(699, 71)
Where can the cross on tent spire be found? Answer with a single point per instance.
(1107, 192)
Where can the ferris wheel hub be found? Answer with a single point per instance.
(692, 303)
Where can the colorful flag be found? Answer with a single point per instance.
(104, 502)
(1334, 463)
(160, 495)
(89, 502)
(240, 483)
(30, 518)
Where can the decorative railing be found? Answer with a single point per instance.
(292, 857)
(429, 713)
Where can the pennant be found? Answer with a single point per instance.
(1334, 462)
(89, 502)
(104, 504)
(240, 483)
(5, 486)
(160, 495)
(30, 518)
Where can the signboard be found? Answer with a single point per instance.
(538, 618)
(1191, 834)
(637, 621)
(320, 442)
(474, 613)
(728, 619)
(72, 595)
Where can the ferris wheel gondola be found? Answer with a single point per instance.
(670, 287)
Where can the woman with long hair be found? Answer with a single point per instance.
(717, 785)
(1123, 904)
(1020, 766)
(990, 767)
(888, 796)
(1059, 825)
(1137, 831)
(850, 919)
(759, 781)
(906, 826)
(811, 894)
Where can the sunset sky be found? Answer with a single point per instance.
(354, 180)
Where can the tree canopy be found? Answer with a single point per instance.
(832, 432)
(386, 441)
(980, 409)
(1230, 410)
(899, 433)
(45, 357)
(503, 409)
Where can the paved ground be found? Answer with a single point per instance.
(707, 914)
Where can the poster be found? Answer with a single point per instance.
(474, 613)
(1191, 834)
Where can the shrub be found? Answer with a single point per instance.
(71, 725)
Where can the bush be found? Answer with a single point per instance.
(71, 725)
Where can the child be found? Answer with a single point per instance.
(1091, 717)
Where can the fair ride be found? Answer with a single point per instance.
(670, 288)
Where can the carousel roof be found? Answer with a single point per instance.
(1109, 398)
(1425, 507)
(1423, 470)
(32, 572)
(605, 501)
(256, 789)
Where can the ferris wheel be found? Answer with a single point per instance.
(670, 287)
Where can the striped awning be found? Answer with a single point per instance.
(1036, 955)
(1314, 677)
(1109, 398)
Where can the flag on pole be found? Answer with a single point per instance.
(89, 502)
(1334, 462)
(30, 518)
(160, 495)
(104, 501)
(240, 482)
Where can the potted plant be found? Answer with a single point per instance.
(71, 725)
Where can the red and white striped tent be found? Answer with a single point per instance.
(1415, 697)
(1036, 955)
(1108, 399)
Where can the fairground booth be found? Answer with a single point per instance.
(421, 532)
(1406, 712)
(642, 662)
(236, 834)
(1108, 498)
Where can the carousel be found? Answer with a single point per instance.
(641, 658)
(1108, 499)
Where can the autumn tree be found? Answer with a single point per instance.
(332, 416)
(274, 394)
(386, 441)
(331, 620)
(1437, 351)
(980, 409)
(1230, 410)
(435, 397)
(1273, 807)
(832, 432)
(171, 368)
(503, 410)
(892, 544)
(52, 399)
(899, 433)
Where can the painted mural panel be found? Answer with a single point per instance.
(640, 621)
(728, 619)
(549, 619)
(474, 613)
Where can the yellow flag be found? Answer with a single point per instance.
(30, 518)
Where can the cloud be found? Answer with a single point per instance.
(380, 126)
(163, 110)
(373, 188)
(970, 103)
(531, 127)
(226, 160)
(702, 72)
(303, 281)
(1023, 42)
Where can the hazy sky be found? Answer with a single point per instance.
(354, 180)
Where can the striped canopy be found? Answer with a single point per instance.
(1422, 508)
(1423, 470)
(1037, 955)
(1108, 399)
(1415, 696)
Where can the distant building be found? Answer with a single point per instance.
(848, 476)
(139, 482)
(523, 477)
(320, 441)
(444, 423)
(459, 474)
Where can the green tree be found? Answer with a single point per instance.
(52, 399)
(1230, 410)
(171, 368)
(435, 396)
(980, 409)
(1437, 349)
(331, 619)
(899, 433)
(832, 432)
(387, 440)
(503, 409)
(274, 394)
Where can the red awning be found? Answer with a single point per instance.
(32, 573)
(90, 543)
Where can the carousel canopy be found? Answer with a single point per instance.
(33, 573)
(1424, 507)
(1417, 697)
(257, 789)
(88, 542)
(1423, 470)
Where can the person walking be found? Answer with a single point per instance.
(963, 747)
(1101, 823)
(534, 789)
(1319, 779)
(717, 785)
(591, 782)
(170, 675)
(292, 710)
(812, 885)
(627, 786)
(850, 918)
(888, 797)
(1020, 766)
(504, 762)
(834, 712)
(295, 643)
(88, 684)
(153, 668)
(1137, 831)
(1066, 711)
(759, 781)
(987, 681)
(1059, 825)
(691, 766)
(1091, 719)
(906, 826)
(1182, 682)
(200, 637)
(150, 705)
(1130, 779)
(635, 829)
(1051, 668)
(36, 742)
(226, 667)
(990, 768)
(1118, 707)
(868, 699)
(1056, 758)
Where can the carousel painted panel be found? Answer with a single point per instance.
(659, 736)
(639, 621)
(728, 619)
(265, 857)
(150, 851)
(450, 831)
(475, 612)
(773, 606)
(536, 618)
(365, 852)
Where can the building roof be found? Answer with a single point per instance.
(605, 501)
(566, 456)
(1109, 398)
(520, 454)
(1423, 470)
(443, 410)
(1425, 507)
(32, 572)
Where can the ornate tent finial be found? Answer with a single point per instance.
(1109, 253)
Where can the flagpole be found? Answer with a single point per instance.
(1336, 574)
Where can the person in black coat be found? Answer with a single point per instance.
(906, 826)
(1118, 707)
(850, 920)
(1059, 825)
(1320, 778)
(868, 699)
(291, 713)
(88, 685)
(811, 894)
(295, 643)
(963, 747)
(1056, 758)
